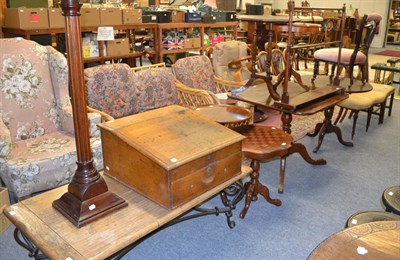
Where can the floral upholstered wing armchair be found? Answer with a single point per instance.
(37, 144)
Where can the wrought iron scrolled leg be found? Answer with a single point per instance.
(235, 190)
(24, 242)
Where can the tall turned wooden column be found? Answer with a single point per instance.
(88, 197)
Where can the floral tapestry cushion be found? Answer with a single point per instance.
(156, 88)
(195, 72)
(43, 163)
(109, 89)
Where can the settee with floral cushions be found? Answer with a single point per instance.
(37, 144)
(116, 90)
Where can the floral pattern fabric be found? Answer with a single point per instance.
(37, 145)
(195, 72)
(118, 91)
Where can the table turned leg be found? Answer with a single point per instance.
(282, 174)
(255, 187)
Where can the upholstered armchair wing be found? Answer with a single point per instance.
(37, 142)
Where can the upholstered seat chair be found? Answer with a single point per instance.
(37, 144)
(349, 58)
(230, 61)
(116, 90)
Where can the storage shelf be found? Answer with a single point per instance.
(157, 51)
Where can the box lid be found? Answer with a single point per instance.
(172, 135)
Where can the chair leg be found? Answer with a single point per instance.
(355, 117)
(332, 71)
(363, 78)
(351, 75)
(391, 104)
(341, 110)
(382, 112)
(282, 175)
(345, 114)
(369, 115)
(316, 70)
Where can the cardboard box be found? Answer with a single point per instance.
(110, 16)
(255, 9)
(161, 16)
(90, 17)
(118, 47)
(56, 19)
(217, 39)
(131, 16)
(147, 18)
(29, 3)
(192, 43)
(26, 18)
(178, 17)
(90, 45)
(142, 3)
(230, 16)
(220, 16)
(194, 17)
(4, 202)
(170, 155)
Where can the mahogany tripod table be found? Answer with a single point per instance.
(263, 143)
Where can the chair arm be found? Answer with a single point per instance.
(5, 140)
(237, 64)
(67, 121)
(94, 117)
(194, 97)
(104, 116)
(224, 86)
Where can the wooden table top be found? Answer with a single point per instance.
(58, 238)
(225, 114)
(266, 18)
(259, 95)
(374, 240)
